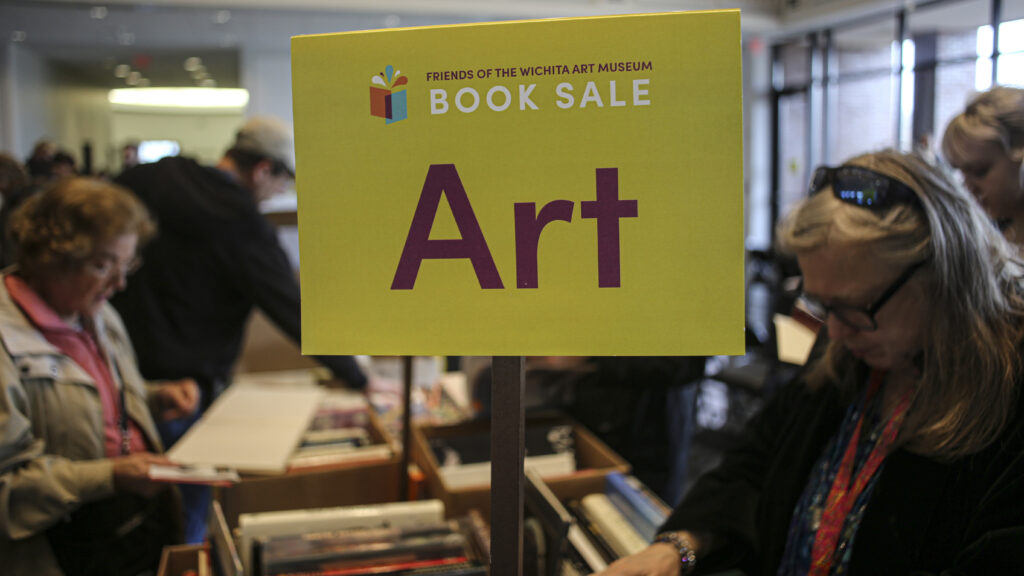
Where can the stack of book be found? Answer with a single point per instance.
(439, 548)
(396, 538)
(338, 433)
(465, 460)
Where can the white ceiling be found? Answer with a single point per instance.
(86, 40)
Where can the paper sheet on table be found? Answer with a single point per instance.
(251, 428)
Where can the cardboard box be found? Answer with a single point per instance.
(342, 485)
(266, 349)
(176, 560)
(594, 460)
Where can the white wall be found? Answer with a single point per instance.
(28, 101)
(203, 136)
(82, 115)
(267, 75)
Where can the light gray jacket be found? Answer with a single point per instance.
(52, 456)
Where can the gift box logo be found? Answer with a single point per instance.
(385, 101)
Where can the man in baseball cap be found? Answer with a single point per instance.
(262, 155)
(215, 258)
(270, 138)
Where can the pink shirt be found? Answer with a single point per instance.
(80, 345)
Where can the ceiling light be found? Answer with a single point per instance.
(98, 12)
(122, 70)
(180, 97)
(133, 78)
(191, 64)
(208, 83)
(143, 83)
(222, 16)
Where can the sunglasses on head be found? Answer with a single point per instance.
(862, 187)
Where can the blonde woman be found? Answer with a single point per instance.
(986, 144)
(901, 451)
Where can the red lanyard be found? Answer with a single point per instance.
(842, 496)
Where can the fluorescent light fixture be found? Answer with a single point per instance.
(180, 97)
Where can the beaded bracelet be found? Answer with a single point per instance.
(687, 558)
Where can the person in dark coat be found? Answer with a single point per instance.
(215, 260)
(901, 450)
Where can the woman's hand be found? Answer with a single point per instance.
(131, 473)
(178, 399)
(659, 559)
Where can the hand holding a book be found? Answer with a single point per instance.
(131, 473)
(177, 399)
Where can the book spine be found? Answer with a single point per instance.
(440, 565)
(654, 512)
(621, 536)
(633, 516)
(587, 539)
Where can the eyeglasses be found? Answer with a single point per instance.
(105, 265)
(862, 187)
(862, 319)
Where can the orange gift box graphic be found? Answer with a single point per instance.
(385, 101)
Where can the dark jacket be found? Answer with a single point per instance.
(924, 517)
(214, 259)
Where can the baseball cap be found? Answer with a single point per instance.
(267, 136)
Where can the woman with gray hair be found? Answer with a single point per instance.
(76, 434)
(901, 449)
(986, 144)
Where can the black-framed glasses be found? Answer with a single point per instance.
(855, 317)
(862, 187)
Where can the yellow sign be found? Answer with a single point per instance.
(553, 187)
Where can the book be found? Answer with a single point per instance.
(465, 460)
(327, 458)
(250, 428)
(587, 538)
(616, 530)
(337, 551)
(535, 549)
(340, 409)
(394, 514)
(436, 567)
(644, 510)
(193, 474)
(222, 545)
(539, 440)
(479, 473)
(479, 535)
(351, 435)
(203, 563)
(433, 548)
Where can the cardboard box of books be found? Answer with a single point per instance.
(599, 527)
(347, 457)
(455, 460)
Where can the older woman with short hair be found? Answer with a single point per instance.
(901, 450)
(76, 434)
